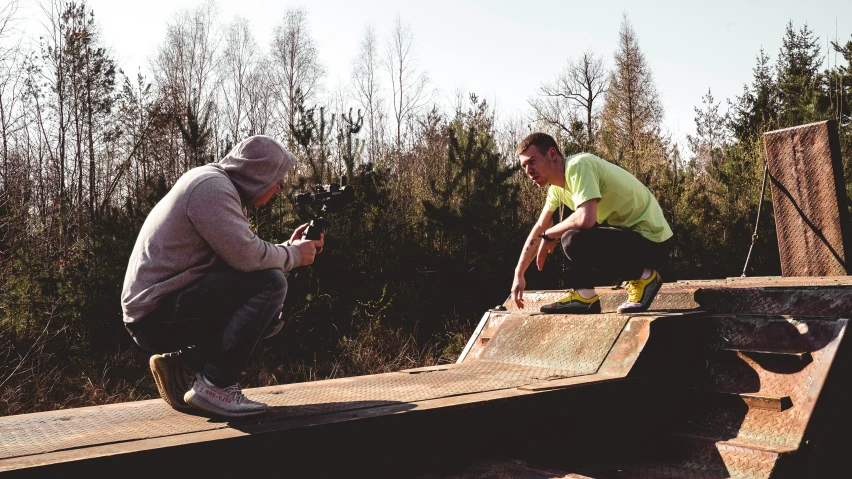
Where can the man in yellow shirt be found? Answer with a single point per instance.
(617, 228)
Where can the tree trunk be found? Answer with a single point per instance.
(91, 138)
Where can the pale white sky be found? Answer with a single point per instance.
(503, 50)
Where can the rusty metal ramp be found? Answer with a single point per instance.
(763, 394)
(732, 378)
(526, 354)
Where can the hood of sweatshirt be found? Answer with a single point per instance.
(255, 164)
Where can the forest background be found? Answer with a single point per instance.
(86, 150)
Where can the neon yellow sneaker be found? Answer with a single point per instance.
(641, 293)
(573, 303)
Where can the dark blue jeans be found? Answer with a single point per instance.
(215, 322)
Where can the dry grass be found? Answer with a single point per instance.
(42, 375)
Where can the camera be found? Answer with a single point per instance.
(331, 199)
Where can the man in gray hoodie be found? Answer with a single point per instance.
(201, 288)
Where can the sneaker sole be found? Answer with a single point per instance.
(637, 309)
(196, 400)
(591, 310)
(161, 379)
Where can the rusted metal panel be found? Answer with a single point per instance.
(773, 403)
(808, 296)
(428, 369)
(37, 434)
(701, 455)
(651, 471)
(686, 457)
(630, 344)
(570, 382)
(671, 296)
(576, 343)
(757, 368)
(809, 198)
(473, 338)
(499, 469)
(487, 328)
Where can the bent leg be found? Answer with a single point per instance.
(264, 293)
(609, 251)
(216, 321)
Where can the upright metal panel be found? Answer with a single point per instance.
(809, 197)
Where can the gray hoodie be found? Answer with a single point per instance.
(202, 222)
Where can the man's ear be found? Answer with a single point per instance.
(552, 155)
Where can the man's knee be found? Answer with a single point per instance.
(574, 242)
(274, 280)
(277, 284)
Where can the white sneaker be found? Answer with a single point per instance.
(228, 402)
(173, 378)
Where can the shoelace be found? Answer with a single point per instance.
(569, 297)
(236, 393)
(634, 292)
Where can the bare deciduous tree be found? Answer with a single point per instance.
(574, 96)
(365, 77)
(11, 86)
(186, 70)
(239, 61)
(298, 70)
(8, 18)
(407, 83)
(260, 96)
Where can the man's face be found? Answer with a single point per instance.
(539, 167)
(264, 198)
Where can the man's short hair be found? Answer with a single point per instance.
(540, 140)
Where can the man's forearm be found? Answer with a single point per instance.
(572, 222)
(530, 249)
(584, 217)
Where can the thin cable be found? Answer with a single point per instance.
(757, 221)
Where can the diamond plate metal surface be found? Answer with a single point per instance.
(809, 199)
(671, 296)
(810, 296)
(649, 471)
(768, 373)
(695, 457)
(35, 434)
(578, 343)
(708, 461)
(739, 462)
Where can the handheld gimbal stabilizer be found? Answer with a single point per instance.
(332, 197)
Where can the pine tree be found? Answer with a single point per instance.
(800, 94)
(475, 191)
(710, 133)
(632, 112)
(756, 111)
(196, 131)
(310, 133)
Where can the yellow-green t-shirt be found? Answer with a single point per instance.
(622, 200)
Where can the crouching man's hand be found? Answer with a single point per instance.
(518, 286)
(308, 249)
(297, 236)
